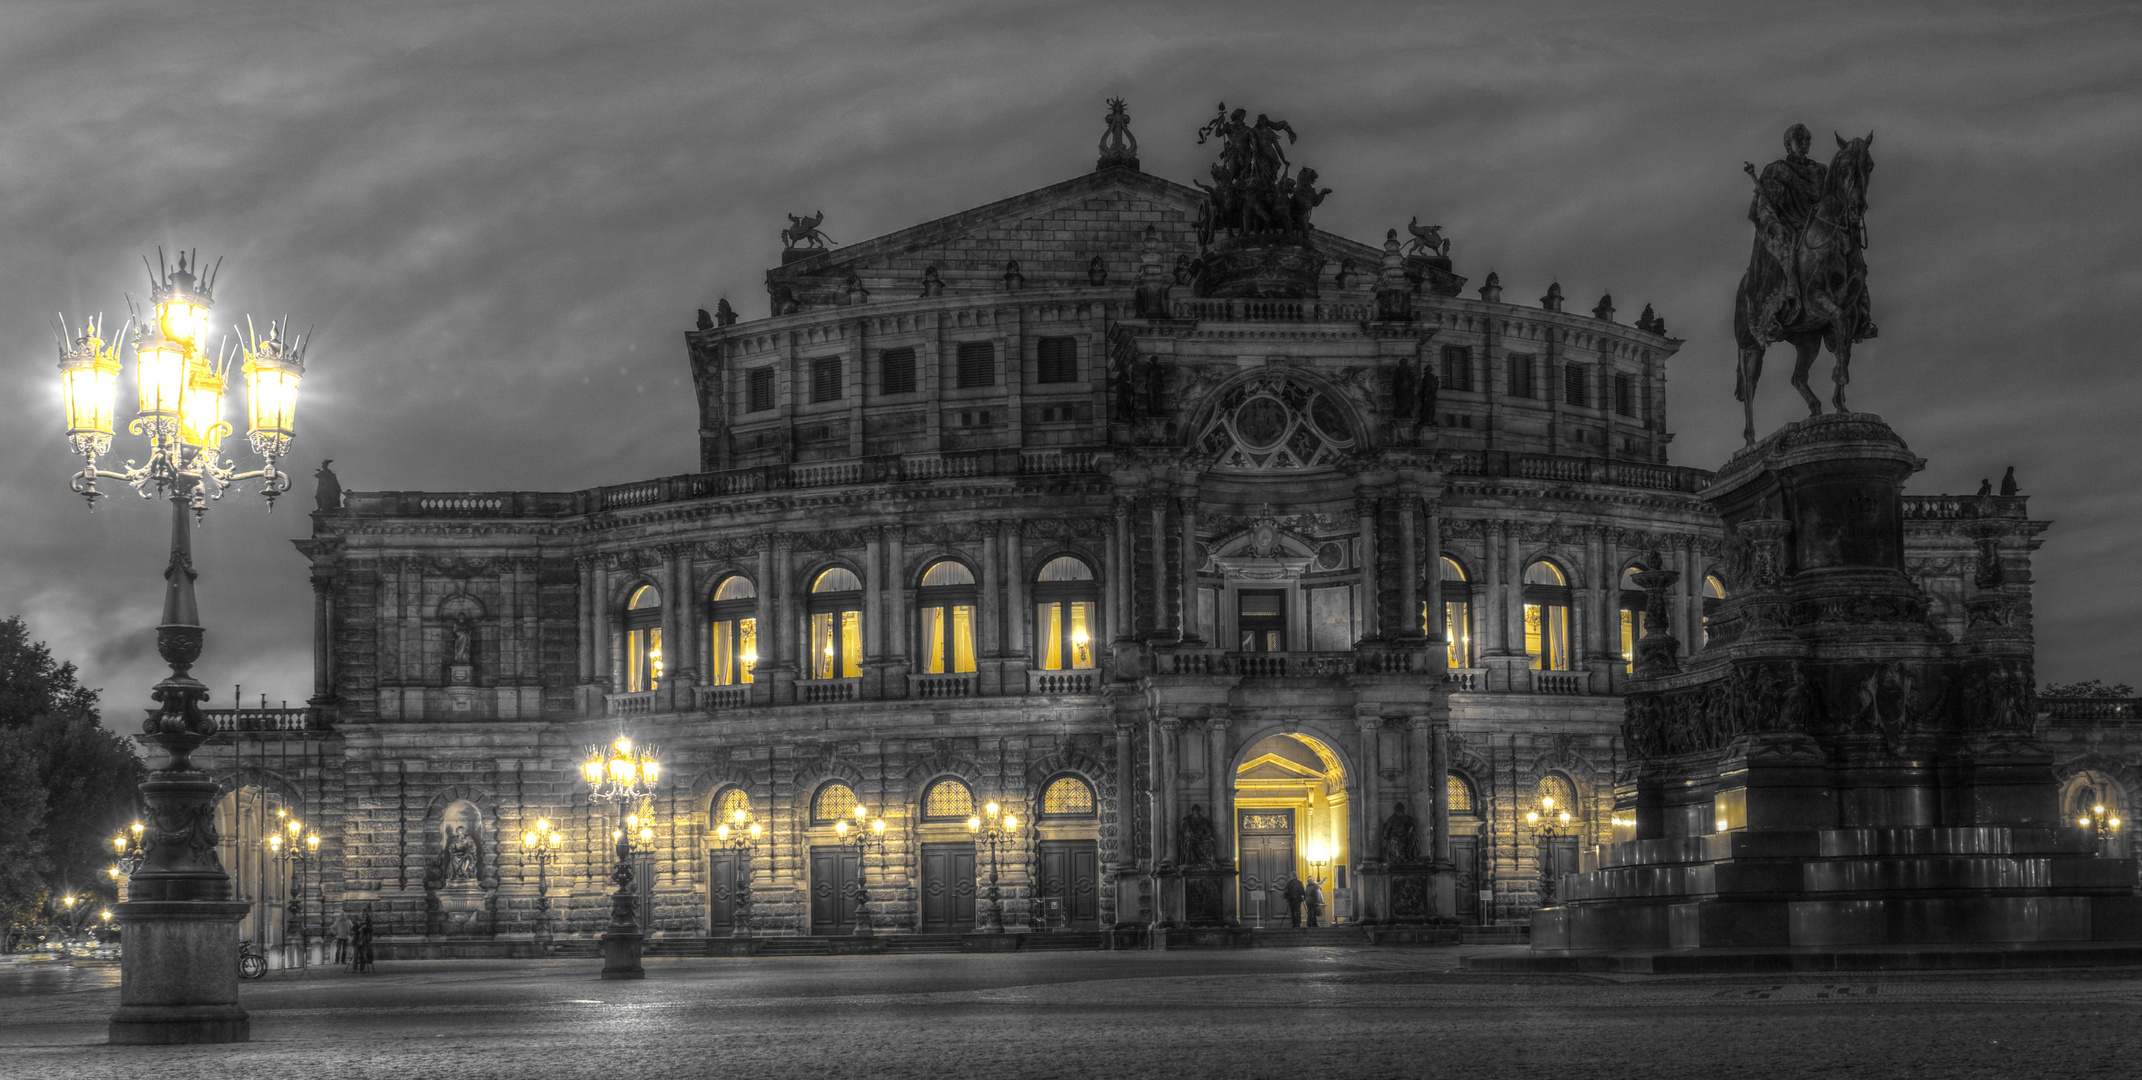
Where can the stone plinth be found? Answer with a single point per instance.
(178, 973)
(1833, 771)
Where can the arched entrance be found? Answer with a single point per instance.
(1291, 820)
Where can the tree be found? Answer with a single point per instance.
(68, 782)
(22, 832)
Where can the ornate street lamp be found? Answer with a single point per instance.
(179, 897)
(541, 844)
(743, 839)
(2104, 828)
(864, 840)
(127, 845)
(299, 852)
(993, 832)
(1547, 823)
(623, 776)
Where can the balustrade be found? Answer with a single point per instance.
(1082, 681)
(712, 698)
(826, 691)
(634, 704)
(1561, 682)
(932, 687)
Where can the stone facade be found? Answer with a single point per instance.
(1331, 555)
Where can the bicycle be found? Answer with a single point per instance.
(251, 965)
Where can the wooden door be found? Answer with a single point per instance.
(834, 872)
(1267, 838)
(724, 875)
(947, 888)
(1071, 877)
(643, 870)
(1558, 856)
(1465, 854)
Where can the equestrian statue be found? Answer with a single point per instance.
(1807, 277)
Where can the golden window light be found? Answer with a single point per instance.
(1067, 796)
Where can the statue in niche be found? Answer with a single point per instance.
(1424, 394)
(1400, 837)
(1122, 370)
(1201, 846)
(327, 498)
(1097, 271)
(464, 642)
(459, 857)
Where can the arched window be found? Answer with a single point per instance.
(1457, 599)
(1458, 791)
(1632, 615)
(947, 800)
(1067, 796)
(1713, 595)
(834, 802)
(1557, 787)
(1547, 616)
(728, 804)
(1066, 614)
(735, 637)
(835, 623)
(945, 605)
(643, 640)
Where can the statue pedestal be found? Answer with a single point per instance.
(461, 907)
(178, 973)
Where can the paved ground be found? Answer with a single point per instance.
(1352, 1013)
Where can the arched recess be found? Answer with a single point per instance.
(253, 804)
(1293, 813)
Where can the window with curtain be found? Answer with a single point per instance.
(835, 625)
(1547, 603)
(977, 364)
(1457, 603)
(643, 640)
(948, 800)
(1056, 360)
(1574, 385)
(945, 604)
(1457, 367)
(734, 636)
(1520, 374)
(1632, 616)
(759, 390)
(1066, 614)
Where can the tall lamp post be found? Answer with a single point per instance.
(994, 832)
(127, 845)
(864, 840)
(624, 777)
(2104, 828)
(180, 907)
(1556, 824)
(299, 852)
(743, 840)
(541, 844)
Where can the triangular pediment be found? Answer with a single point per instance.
(1274, 767)
(1053, 233)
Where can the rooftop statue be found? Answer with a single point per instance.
(1119, 148)
(804, 230)
(1427, 239)
(1251, 191)
(1807, 276)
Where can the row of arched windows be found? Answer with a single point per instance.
(1547, 605)
(947, 800)
(1066, 599)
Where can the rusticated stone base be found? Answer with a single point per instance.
(178, 974)
(621, 956)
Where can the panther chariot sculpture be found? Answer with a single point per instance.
(1807, 277)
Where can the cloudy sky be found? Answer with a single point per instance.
(501, 216)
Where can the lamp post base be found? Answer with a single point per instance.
(621, 956)
(178, 975)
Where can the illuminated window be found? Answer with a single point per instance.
(643, 640)
(1557, 787)
(946, 603)
(834, 802)
(1632, 616)
(1066, 614)
(1457, 601)
(1713, 595)
(728, 803)
(1459, 793)
(835, 625)
(1547, 600)
(1067, 796)
(1261, 619)
(947, 800)
(735, 636)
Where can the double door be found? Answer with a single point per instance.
(1070, 886)
(836, 872)
(1267, 839)
(948, 888)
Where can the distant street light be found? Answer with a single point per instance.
(542, 844)
(623, 776)
(993, 833)
(1556, 824)
(743, 840)
(864, 840)
(2104, 828)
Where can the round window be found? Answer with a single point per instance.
(1330, 419)
(1261, 421)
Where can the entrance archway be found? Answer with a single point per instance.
(1292, 819)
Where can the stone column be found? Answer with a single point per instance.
(1126, 805)
(1687, 593)
(1409, 567)
(874, 580)
(1371, 587)
(1432, 576)
(588, 629)
(1014, 596)
(1219, 779)
(787, 623)
(323, 636)
(1495, 604)
(1120, 572)
(989, 641)
(896, 599)
(1371, 790)
(1513, 591)
(1165, 732)
(1439, 781)
(676, 652)
(1161, 624)
(1420, 774)
(1192, 632)
(605, 619)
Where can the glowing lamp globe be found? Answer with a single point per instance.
(201, 408)
(161, 368)
(89, 388)
(271, 393)
(182, 309)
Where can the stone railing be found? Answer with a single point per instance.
(1076, 681)
(1561, 682)
(1251, 310)
(933, 687)
(1470, 679)
(827, 691)
(1956, 507)
(639, 703)
(712, 698)
(298, 719)
(1572, 470)
(1293, 665)
(2088, 708)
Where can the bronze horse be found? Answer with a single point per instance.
(1814, 293)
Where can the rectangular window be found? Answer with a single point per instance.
(955, 647)
(1457, 367)
(1458, 632)
(736, 651)
(1573, 384)
(1066, 629)
(1261, 617)
(1056, 360)
(825, 379)
(759, 395)
(1632, 628)
(977, 364)
(1520, 375)
(1624, 395)
(1547, 636)
(836, 645)
(1331, 619)
(896, 371)
(643, 667)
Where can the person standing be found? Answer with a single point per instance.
(342, 929)
(1315, 900)
(1293, 895)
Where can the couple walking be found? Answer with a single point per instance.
(1296, 894)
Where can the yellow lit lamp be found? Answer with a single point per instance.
(201, 423)
(312, 843)
(89, 387)
(275, 843)
(272, 371)
(183, 305)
